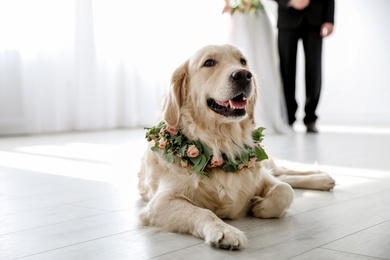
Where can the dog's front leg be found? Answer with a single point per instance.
(274, 198)
(175, 213)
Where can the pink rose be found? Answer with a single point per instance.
(172, 130)
(251, 162)
(216, 161)
(184, 163)
(162, 131)
(162, 143)
(192, 151)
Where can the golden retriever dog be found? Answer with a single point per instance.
(217, 173)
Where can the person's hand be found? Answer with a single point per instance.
(326, 29)
(299, 4)
(226, 8)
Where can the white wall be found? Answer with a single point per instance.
(356, 61)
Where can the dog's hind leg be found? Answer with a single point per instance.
(315, 180)
(175, 213)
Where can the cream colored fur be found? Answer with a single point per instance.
(179, 200)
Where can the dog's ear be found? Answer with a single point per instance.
(174, 98)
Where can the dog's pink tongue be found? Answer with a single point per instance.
(237, 104)
(224, 104)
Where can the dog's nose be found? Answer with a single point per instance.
(241, 76)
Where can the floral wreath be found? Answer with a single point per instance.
(195, 154)
(245, 6)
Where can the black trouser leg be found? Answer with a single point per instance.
(312, 44)
(287, 44)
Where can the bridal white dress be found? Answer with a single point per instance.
(254, 35)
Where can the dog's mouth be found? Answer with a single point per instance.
(234, 107)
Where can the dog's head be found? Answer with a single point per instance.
(215, 86)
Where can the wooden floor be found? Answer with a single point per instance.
(74, 196)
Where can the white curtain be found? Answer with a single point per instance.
(95, 64)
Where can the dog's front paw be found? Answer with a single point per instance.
(222, 235)
(276, 202)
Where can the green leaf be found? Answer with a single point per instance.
(179, 139)
(260, 154)
(183, 150)
(245, 158)
(170, 157)
(196, 160)
(199, 146)
(207, 151)
(207, 173)
(257, 134)
(201, 165)
(229, 167)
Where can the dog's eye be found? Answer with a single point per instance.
(209, 63)
(243, 61)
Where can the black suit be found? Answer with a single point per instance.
(305, 25)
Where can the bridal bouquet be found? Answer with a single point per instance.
(245, 6)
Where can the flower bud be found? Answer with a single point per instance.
(192, 151)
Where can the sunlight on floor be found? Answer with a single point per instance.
(119, 162)
(106, 163)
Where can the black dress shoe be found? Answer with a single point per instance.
(311, 128)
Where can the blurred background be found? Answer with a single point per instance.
(98, 64)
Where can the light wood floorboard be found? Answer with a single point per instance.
(74, 196)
